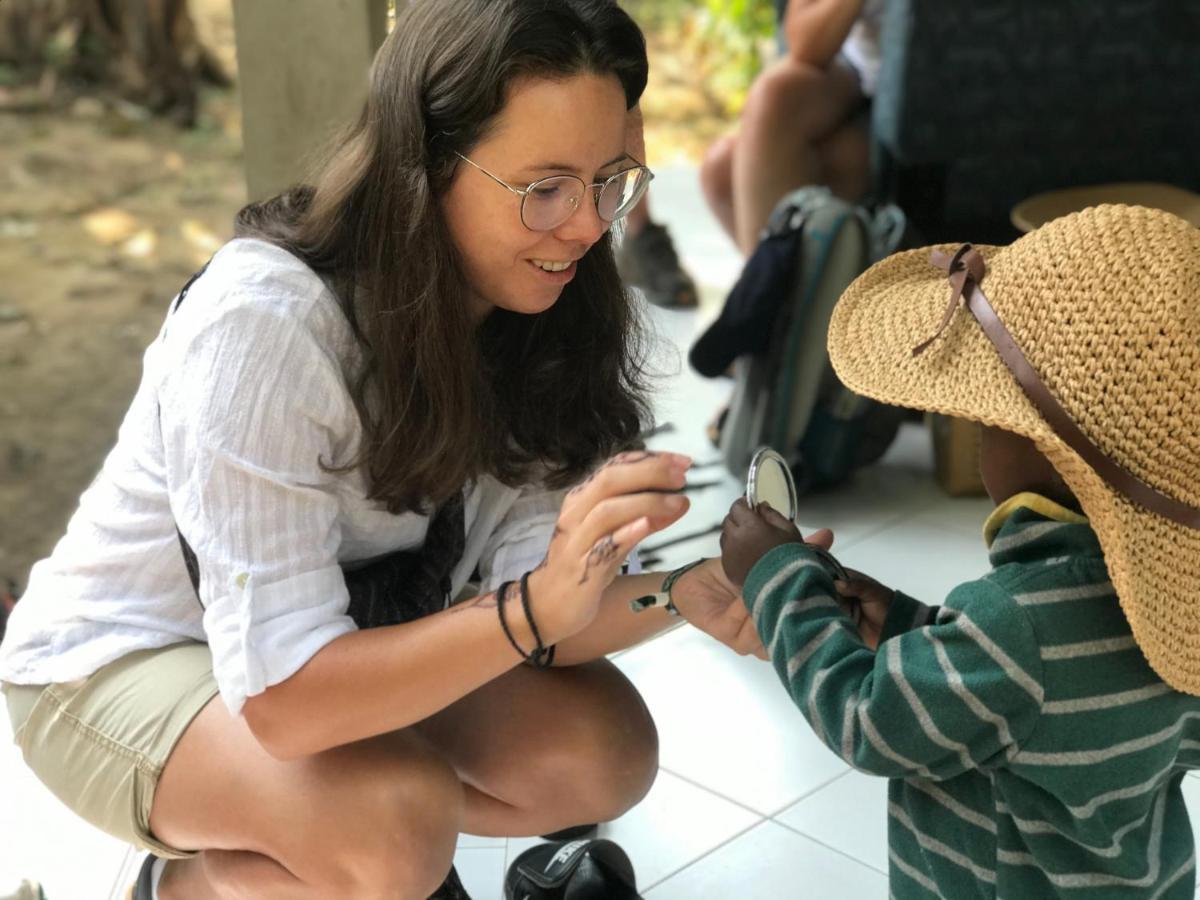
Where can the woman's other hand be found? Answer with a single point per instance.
(707, 599)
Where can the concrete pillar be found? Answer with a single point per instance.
(302, 70)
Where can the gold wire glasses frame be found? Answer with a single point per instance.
(548, 202)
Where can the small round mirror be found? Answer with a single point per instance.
(770, 481)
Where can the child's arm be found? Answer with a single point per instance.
(877, 611)
(932, 702)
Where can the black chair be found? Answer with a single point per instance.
(983, 103)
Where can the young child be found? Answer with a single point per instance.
(1037, 726)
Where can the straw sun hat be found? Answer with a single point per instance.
(1085, 337)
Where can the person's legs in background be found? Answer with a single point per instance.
(799, 127)
(716, 180)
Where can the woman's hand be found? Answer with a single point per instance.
(747, 535)
(867, 602)
(624, 501)
(707, 599)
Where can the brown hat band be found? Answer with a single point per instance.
(966, 269)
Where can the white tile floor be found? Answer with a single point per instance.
(748, 805)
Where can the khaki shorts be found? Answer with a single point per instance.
(100, 743)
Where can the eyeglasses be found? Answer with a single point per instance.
(549, 202)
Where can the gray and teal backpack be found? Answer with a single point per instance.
(772, 335)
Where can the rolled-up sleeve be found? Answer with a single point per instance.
(254, 413)
(521, 539)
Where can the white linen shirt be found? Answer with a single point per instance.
(861, 48)
(243, 397)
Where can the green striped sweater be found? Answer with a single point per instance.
(1032, 752)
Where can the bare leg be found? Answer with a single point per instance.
(531, 752)
(539, 751)
(845, 160)
(716, 180)
(792, 109)
(378, 818)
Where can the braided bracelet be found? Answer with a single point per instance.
(501, 597)
(663, 597)
(542, 657)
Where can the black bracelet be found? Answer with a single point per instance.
(541, 657)
(501, 596)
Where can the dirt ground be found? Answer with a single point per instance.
(104, 213)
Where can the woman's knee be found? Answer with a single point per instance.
(605, 756)
(398, 822)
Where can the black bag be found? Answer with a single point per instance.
(409, 584)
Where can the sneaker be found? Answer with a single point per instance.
(648, 260)
(580, 870)
(27, 890)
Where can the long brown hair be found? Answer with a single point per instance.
(443, 399)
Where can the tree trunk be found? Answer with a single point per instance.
(145, 50)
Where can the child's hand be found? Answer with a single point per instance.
(867, 603)
(747, 535)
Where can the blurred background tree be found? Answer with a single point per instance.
(704, 55)
(147, 51)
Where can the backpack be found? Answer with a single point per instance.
(773, 332)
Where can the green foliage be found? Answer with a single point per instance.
(59, 49)
(745, 31)
(728, 40)
(753, 19)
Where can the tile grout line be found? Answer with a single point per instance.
(750, 809)
(716, 794)
(807, 794)
(761, 820)
(707, 853)
(840, 853)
